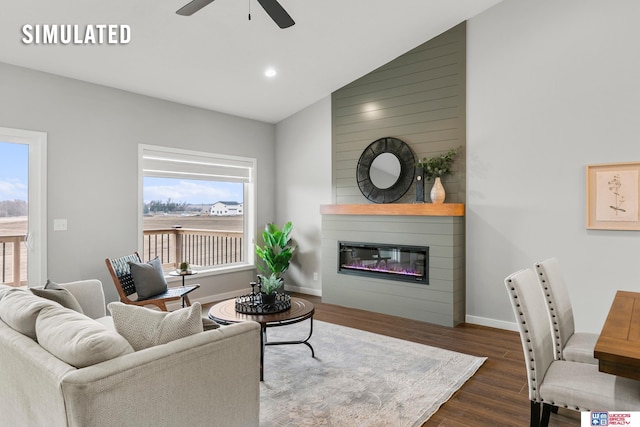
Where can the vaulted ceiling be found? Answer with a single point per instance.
(216, 58)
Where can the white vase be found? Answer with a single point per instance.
(437, 192)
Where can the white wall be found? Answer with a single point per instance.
(93, 136)
(552, 86)
(303, 183)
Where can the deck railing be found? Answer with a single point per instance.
(200, 248)
(13, 256)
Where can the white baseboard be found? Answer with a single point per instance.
(302, 290)
(493, 323)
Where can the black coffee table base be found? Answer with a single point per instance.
(300, 311)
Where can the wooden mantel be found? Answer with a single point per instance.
(412, 209)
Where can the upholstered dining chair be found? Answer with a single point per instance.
(560, 383)
(568, 344)
(146, 283)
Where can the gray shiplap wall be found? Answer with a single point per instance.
(419, 98)
(442, 301)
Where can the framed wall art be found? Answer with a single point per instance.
(613, 200)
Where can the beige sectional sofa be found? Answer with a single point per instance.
(97, 379)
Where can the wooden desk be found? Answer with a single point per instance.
(618, 348)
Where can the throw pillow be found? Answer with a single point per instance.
(19, 310)
(144, 327)
(76, 339)
(53, 292)
(148, 278)
(209, 324)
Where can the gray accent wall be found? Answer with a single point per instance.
(418, 98)
(442, 301)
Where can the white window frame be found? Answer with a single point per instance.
(37, 233)
(170, 162)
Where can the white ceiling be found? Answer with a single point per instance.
(215, 59)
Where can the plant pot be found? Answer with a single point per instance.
(268, 299)
(437, 192)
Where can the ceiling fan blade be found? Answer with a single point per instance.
(277, 13)
(192, 7)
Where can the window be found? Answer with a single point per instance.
(196, 207)
(23, 226)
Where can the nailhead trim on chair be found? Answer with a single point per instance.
(552, 310)
(530, 368)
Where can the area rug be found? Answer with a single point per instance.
(357, 378)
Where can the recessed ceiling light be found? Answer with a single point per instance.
(270, 72)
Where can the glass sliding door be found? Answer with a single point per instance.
(22, 207)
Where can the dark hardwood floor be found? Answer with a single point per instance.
(497, 395)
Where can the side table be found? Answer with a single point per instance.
(179, 273)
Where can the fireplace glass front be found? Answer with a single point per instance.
(385, 261)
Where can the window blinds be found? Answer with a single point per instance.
(175, 163)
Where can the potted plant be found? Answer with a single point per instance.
(437, 167)
(269, 287)
(184, 267)
(276, 255)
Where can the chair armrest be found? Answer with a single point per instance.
(90, 296)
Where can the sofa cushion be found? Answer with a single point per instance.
(148, 278)
(54, 292)
(19, 309)
(77, 339)
(5, 289)
(144, 327)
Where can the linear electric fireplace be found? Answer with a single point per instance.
(384, 261)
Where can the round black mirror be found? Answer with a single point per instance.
(385, 170)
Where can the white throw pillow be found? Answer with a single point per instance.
(20, 309)
(144, 327)
(77, 339)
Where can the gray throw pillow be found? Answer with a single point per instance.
(148, 278)
(209, 324)
(52, 291)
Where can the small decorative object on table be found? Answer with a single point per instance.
(185, 268)
(437, 167)
(419, 184)
(261, 302)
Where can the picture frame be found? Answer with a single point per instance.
(613, 196)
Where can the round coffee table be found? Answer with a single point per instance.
(225, 312)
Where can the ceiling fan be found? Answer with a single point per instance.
(272, 7)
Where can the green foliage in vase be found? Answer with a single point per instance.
(184, 266)
(271, 284)
(438, 166)
(277, 251)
